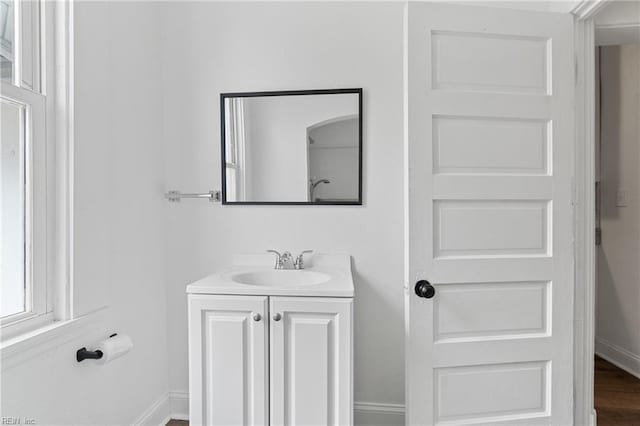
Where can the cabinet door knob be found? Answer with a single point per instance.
(277, 317)
(257, 317)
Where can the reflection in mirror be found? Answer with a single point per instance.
(6, 39)
(300, 147)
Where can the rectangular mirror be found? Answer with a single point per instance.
(293, 147)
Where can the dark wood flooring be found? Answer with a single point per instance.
(173, 422)
(617, 395)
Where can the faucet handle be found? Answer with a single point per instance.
(299, 262)
(278, 264)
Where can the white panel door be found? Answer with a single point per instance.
(228, 360)
(490, 135)
(311, 361)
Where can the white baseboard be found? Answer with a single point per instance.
(175, 405)
(179, 405)
(159, 413)
(378, 414)
(618, 356)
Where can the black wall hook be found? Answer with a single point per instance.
(83, 354)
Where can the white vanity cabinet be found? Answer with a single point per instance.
(311, 361)
(228, 360)
(270, 360)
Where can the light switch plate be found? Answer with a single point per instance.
(622, 198)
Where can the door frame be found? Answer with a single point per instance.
(584, 210)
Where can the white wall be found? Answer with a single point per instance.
(119, 229)
(277, 46)
(619, 12)
(618, 288)
(557, 6)
(618, 23)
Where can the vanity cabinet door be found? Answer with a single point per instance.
(228, 360)
(311, 361)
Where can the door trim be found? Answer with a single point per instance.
(584, 210)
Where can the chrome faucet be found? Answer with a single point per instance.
(313, 185)
(278, 264)
(286, 261)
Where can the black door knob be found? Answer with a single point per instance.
(425, 289)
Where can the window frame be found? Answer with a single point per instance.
(37, 302)
(28, 47)
(49, 193)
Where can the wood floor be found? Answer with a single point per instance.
(617, 395)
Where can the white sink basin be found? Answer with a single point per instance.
(324, 275)
(281, 277)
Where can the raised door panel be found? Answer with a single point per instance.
(228, 360)
(479, 311)
(517, 390)
(491, 228)
(311, 361)
(494, 63)
(500, 145)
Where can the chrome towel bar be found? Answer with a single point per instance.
(176, 196)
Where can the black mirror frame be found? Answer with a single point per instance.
(224, 96)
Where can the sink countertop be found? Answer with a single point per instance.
(336, 266)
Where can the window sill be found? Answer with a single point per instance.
(18, 349)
